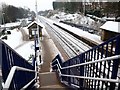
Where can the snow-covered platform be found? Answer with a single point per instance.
(88, 36)
(49, 51)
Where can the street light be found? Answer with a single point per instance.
(3, 13)
(38, 33)
(3, 17)
(3, 20)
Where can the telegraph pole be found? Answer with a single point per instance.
(3, 17)
(84, 2)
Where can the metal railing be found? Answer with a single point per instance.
(12, 74)
(17, 73)
(97, 68)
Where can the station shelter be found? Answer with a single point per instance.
(109, 29)
(32, 29)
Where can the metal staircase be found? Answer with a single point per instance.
(97, 68)
(17, 73)
(50, 81)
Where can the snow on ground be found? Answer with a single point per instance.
(82, 33)
(11, 24)
(74, 18)
(26, 50)
(26, 30)
(77, 31)
(15, 41)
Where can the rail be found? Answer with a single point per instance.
(12, 74)
(86, 40)
(97, 68)
(59, 67)
(72, 45)
(91, 62)
(17, 73)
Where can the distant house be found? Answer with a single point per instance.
(110, 29)
(32, 27)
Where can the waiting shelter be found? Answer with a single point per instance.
(32, 27)
(110, 29)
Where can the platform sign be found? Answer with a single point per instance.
(34, 31)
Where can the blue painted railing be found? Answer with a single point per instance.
(10, 58)
(102, 70)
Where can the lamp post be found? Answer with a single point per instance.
(3, 18)
(38, 33)
(3, 21)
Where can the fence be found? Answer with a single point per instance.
(97, 68)
(10, 59)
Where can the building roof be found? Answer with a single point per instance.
(111, 26)
(34, 22)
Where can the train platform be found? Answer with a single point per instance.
(48, 51)
(48, 80)
(92, 40)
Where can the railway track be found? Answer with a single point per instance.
(71, 45)
(76, 46)
(86, 40)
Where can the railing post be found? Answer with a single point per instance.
(115, 63)
(82, 60)
(69, 78)
(11, 58)
(35, 39)
(33, 61)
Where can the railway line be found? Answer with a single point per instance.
(80, 46)
(76, 43)
(74, 46)
(71, 45)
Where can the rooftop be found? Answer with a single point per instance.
(111, 26)
(34, 22)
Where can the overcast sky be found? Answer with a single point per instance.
(42, 4)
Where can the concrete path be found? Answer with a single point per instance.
(49, 51)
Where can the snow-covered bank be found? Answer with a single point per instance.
(77, 18)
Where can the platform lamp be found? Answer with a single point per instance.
(38, 32)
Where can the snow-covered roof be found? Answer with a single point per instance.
(40, 24)
(111, 26)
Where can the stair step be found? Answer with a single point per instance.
(48, 78)
(53, 87)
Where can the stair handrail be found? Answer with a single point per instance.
(88, 71)
(12, 73)
(36, 72)
(91, 62)
(15, 66)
